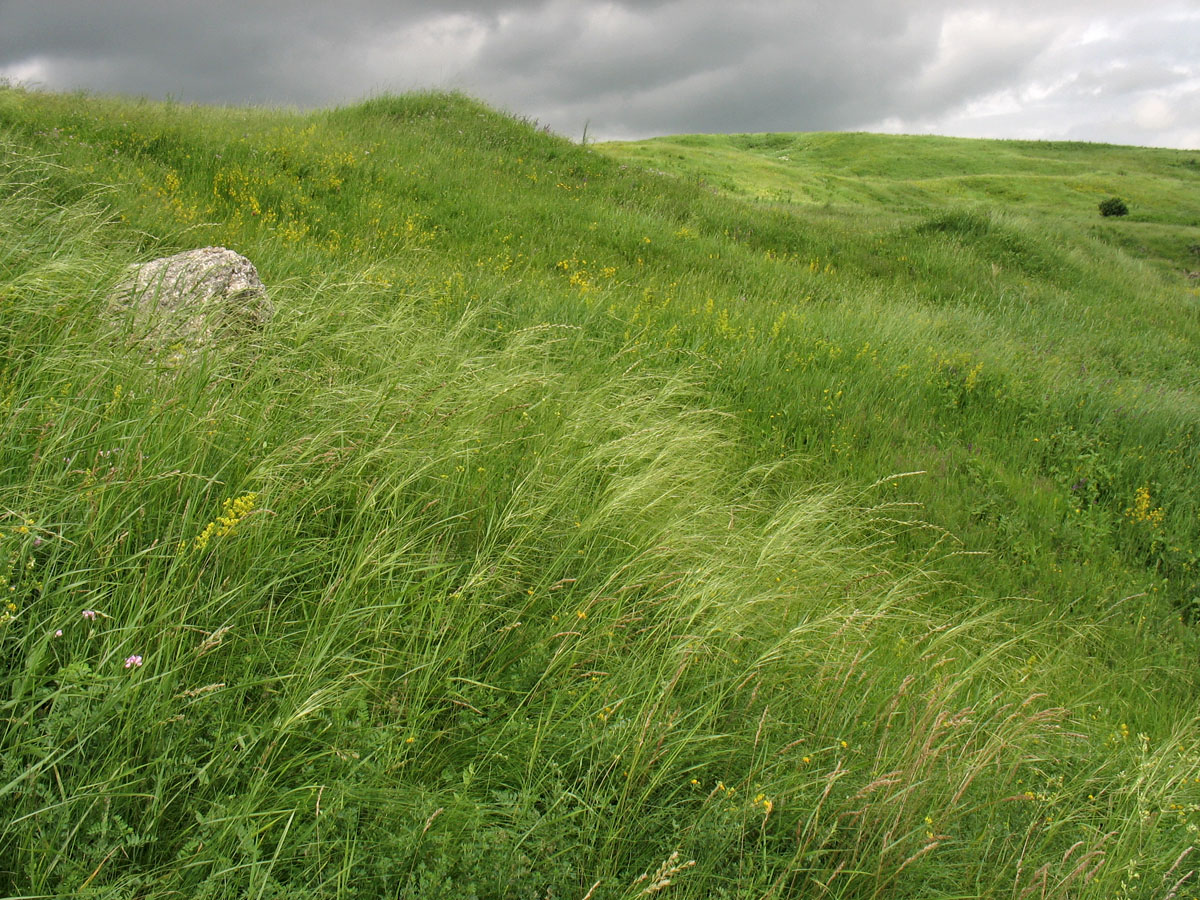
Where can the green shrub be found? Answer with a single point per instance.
(1113, 206)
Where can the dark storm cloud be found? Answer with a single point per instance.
(1100, 69)
(710, 66)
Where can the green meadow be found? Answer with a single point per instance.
(743, 516)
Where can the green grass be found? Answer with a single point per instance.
(827, 520)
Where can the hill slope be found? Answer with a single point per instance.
(571, 514)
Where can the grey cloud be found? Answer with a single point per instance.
(715, 68)
(642, 67)
(1129, 78)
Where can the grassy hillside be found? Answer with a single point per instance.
(906, 176)
(818, 508)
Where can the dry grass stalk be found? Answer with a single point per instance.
(662, 736)
(837, 871)
(212, 641)
(786, 747)
(894, 703)
(889, 778)
(928, 848)
(1175, 887)
(437, 812)
(761, 721)
(1038, 880)
(200, 691)
(806, 828)
(662, 878)
(1178, 860)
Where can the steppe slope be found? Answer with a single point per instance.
(827, 520)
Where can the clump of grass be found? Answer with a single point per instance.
(1113, 206)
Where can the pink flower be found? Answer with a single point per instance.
(133, 662)
(58, 633)
(89, 614)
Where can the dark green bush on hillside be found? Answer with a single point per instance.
(1113, 206)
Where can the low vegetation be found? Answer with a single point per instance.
(742, 516)
(1113, 206)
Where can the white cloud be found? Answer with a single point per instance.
(435, 50)
(1154, 113)
(33, 71)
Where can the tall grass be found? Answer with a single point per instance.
(486, 572)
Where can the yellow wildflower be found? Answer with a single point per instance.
(233, 511)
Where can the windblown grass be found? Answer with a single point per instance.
(572, 531)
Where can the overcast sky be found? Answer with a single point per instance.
(1101, 70)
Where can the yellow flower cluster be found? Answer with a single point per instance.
(768, 805)
(1142, 511)
(581, 277)
(234, 511)
(11, 572)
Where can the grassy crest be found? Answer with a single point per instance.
(592, 519)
